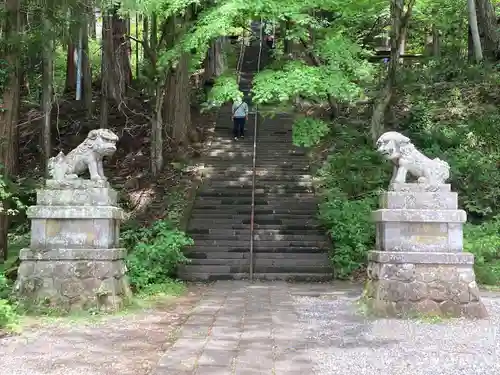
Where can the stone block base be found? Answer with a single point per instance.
(440, 284)
(73, 279)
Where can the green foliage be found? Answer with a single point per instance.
(5, 288)
(8, 315)
(308, 131)
(484, 242)
(349, 182)
(299, 79)
(226, 88)
(154, 253)
(350, 228)
(10, 204)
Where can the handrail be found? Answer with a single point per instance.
(256, 114)
(239, 63)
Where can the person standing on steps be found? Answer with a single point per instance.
(239, 116)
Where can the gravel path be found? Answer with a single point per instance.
(115, 345)
(341, 341)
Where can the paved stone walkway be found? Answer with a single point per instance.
(240, 328)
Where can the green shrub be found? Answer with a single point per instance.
(5, 288)
(8, 315)
(308, 132)
(154, 253)
(484, 242)
(351, 229)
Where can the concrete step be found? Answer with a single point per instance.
(232, 184)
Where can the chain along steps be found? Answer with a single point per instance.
(288, 244)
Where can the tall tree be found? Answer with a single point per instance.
(47, 77)
(474, 31)
(10, 104)
(488, 28)
(400, 18)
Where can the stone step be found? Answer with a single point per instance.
(298, 227)
(257, 231)
(260, 268)
(227, 213)
(260, 262)
(305, 201)
(263, 244)
(290, 229)
(234, 223)
(246, 249)
(221, 255)
(244, 191)
(259, 171)
(231, 184)
(245, 236)
(282, 276)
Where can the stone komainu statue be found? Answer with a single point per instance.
(406, 158)
(87, 155)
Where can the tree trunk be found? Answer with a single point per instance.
(400, 21)
(157, 119)
(178, 105)
(436, 42)
(47, 77)
(70, 56)
(487, 26)
(287, 44)
(86, 68)
(118, 71)
(215, 62)
(92, 22)
(10, 106)
(105, 66)
(145, 36)
(476, 40)
(157, 131)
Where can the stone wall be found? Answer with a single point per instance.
(423, 283)
(418, 265)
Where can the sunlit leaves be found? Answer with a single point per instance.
(308, 131)
(299, 79)
(225, 89)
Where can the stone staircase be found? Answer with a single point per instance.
(288, 245)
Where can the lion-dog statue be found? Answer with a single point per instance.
(406, 158)
(87, 155)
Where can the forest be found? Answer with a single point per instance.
(156, 72)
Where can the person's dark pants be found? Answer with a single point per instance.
(239, 126)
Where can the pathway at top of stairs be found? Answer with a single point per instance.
(288, 244)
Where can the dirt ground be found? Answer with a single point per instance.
(129, 344)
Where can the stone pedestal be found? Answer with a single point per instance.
(418, 265)
(74, 260)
